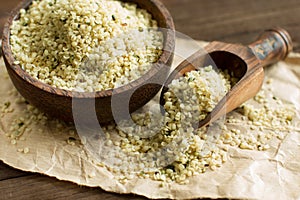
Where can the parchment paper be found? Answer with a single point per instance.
(273, 174)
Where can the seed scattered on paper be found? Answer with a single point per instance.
(193, 151)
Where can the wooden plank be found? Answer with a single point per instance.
(234, 20)
(7, 172)
(42, 187)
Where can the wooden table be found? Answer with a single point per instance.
(237, 21)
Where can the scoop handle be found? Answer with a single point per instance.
(272, 46)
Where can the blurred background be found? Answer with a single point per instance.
(225, 20)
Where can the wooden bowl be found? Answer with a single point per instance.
(60, 104)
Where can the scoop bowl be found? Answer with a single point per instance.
(243, 62)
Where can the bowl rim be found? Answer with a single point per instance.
(164, 59)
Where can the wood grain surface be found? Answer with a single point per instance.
(236, 21)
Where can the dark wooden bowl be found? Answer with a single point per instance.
(84, 106)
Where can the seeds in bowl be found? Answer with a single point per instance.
(86, 46)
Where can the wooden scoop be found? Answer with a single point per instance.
(244, 62)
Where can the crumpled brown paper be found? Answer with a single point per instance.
(274, 174)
